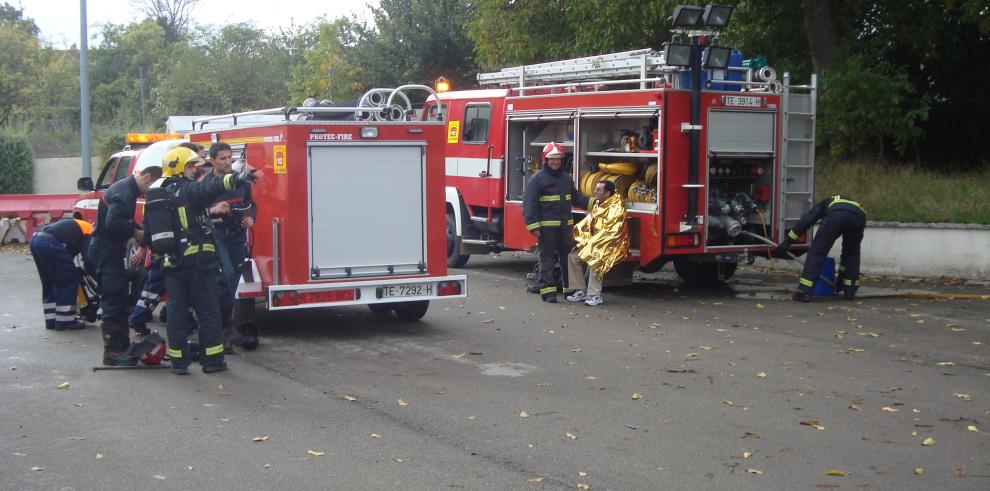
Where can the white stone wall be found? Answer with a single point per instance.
(58, 175)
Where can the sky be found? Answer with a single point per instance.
(59, 19)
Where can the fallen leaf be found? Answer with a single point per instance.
(189, 467)
(501, 307)
(350, 398)
(268, 466)
(99, 455)
(536, 479)
(747, 455)
(398, 460)
(750, 434)
(957, 329)
(835, 472)
(919, 471)
(655, 325)
(728, 403)
(159, 477)
(63, 385)
(976, 343)
(760, 306)
(488, 321)
(870, 334)
(590, 377)
(582, 485)
(220, 387)
(470, 418)
(458, 357)
(890, 409)
(755, 471)
(523, 414)
(960, 472)
(854, 407)
(928, 442)
(402, 403)
(965, 397)
(813, 423)
(376, 436)
(77, 438)
(582, 473)
(636, 396)
(973, 428)
(225, 419)
(691, 355)
(577, 350)
(762, 375)
(37, 468)
(314, 453)
(945, 364)
(571, 436)
(260, 438)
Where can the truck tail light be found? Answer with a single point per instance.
(285, 298)
(683, 240)
(447, 288)
(326, 296)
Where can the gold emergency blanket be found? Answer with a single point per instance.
(602, 238)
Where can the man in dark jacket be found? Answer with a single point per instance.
(114, 228)
(191, 269)
(233, 214)
(840, 216)
(54, 249)
(547, 202)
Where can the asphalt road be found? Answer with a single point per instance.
(660, 388)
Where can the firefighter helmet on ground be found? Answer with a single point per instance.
(175, 161)
(553, 151)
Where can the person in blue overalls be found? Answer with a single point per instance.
(54, 249)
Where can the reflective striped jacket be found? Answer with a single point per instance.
(827, 205)
(548, 199)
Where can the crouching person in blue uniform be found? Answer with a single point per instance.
(54, 249)
(190, 261)
(840, 217)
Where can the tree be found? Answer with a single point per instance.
(326, 71)
(172, 15)
(14, 17)
(530, 31)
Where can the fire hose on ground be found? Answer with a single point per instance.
(929, 295)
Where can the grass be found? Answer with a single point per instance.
(907, 193)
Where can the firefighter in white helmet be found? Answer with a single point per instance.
(547, 203)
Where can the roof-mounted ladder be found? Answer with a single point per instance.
(637, 64)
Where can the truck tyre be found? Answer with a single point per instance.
(412, 311)
(454, 257)
(703, 273)
(380, 308)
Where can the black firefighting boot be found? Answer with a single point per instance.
(116, 341)
(803, 294)
(849, 293)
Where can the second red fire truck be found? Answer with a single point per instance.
(627, 117)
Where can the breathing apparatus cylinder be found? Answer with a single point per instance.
(159, 217)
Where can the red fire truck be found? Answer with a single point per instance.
(350, 208)
(626, 117)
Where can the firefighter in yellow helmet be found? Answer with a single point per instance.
(547, 202)
(185, 239)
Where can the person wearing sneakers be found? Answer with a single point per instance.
(547, 202)
(54, 249)
(601, 241)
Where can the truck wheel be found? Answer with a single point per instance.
(412, 311)
(704, 273)
(380, 308)
(454, 257)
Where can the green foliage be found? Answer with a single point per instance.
(16, 161)
(326, 57)
(19, 59)
(864, 104)
(529, 31)
(908, 193)
(14, 17)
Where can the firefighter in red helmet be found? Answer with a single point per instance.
(547, 202)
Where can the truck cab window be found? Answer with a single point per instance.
(123, 168)
(476, 118)
(107, 174)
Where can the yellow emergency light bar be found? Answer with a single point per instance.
(442, 85)
(139, 138)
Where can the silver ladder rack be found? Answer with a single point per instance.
(797, 160)
(640, 63)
